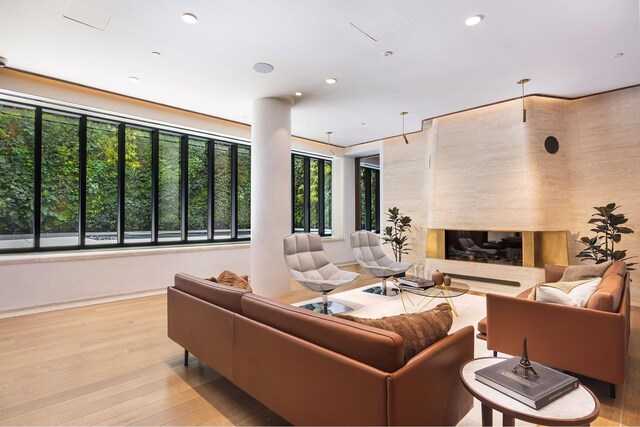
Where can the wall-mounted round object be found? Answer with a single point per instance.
(551, 144)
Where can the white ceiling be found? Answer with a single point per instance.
(439, 64)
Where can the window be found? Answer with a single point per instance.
(17, 142)
(198, 189)
(102, 183)
(311, 195)
(137, 185)
(59, 180)
(73, 181)
(369, 198)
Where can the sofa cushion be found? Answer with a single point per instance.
(582, 272)
(575, 294)
(230, 278)
(418, 330)
(553, 273)
(375, 347)
(482, 326)
(609, 294)
(223, 296)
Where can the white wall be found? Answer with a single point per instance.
(41, 282)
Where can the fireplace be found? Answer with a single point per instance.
(518, 248)
(490, 247)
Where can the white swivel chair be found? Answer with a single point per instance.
(309, 265)
(369, 254)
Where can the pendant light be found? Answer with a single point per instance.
(329, 142)
(524, 110)
(404, 113)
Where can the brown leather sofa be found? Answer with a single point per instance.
(314, 369)
(590, 341)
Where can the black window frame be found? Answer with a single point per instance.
(122, 123)
(322, 230)
(369, 172)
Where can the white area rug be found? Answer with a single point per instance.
(471, 309)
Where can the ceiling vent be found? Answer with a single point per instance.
(88, 16)
(380, 22)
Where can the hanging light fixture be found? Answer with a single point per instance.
(404, 113)
(329, 142)
(524, 110)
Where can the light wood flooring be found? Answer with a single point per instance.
(112, 364)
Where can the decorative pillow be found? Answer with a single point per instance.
(575, 294)
(230, 278)
(584, 272)
(418, 330)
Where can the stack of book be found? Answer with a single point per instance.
(535, 392)
(416, 282)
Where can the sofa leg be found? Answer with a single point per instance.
(612, 390)
(495, 353)
(186, 358)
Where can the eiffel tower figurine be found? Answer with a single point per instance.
(524, 364)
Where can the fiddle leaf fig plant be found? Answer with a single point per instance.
(394, 233)
(609, 228)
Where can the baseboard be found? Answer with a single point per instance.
(78, 303)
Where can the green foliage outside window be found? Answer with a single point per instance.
(60, 180)
(317, 169)
(16, 172)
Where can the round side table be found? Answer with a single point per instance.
(580, 407)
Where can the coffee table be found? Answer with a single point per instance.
(579, 407)
(441, 291)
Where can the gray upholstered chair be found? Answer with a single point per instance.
(309, 265)
(369, 254)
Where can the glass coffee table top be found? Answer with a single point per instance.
(454, 290)
(430, 294)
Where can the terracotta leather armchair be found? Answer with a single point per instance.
(590, 341)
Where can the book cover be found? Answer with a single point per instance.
(416, 282)
(535, 392)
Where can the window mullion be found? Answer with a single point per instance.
(211, 153)
(377, 206)
(293, 193)
(37, 176)
(121, 178)
(234, 192)
(184, 182)
(307, 194)
(367, 199)
(82, 193)
(155, 185)
(321, 197)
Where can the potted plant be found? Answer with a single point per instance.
(609, 229)
(394, 233)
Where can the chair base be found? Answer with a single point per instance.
(377, 290)
(333, 307)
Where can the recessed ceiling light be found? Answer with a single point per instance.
(618, 55)
(474, 20)
(387, 53)
(154, 53)
(262, 67)
(331, 80)
(363, 123)
(134, 79)
(298, 93)
(189, 18)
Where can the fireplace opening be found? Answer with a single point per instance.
(490, 247)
